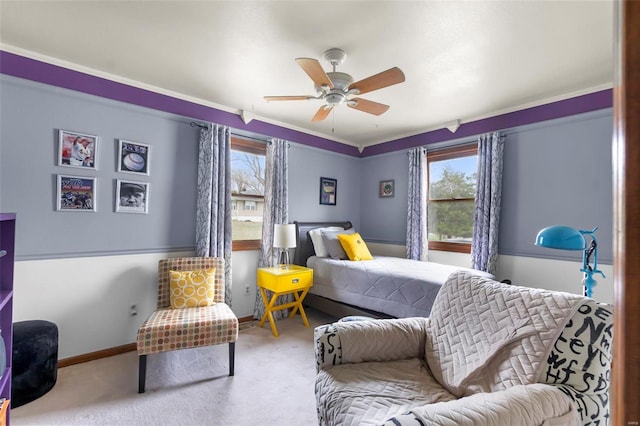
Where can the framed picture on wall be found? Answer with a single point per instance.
(132, 197)
(77, 149)
(133, 157)
(76, 193)
(387, 188)
(328, 191)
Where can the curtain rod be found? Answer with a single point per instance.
(204, 126)
(503, 135)
(200, 125)
(250, 137)
(266, 142)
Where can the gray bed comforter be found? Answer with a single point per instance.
(391, 285)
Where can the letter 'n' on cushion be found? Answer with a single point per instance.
(169, 329)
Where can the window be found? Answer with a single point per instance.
(247, 192)
(452, 177)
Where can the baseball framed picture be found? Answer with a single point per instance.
(76, 193)
(133, 157)
(132, 197)
(77, 149)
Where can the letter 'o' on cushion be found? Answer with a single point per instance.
(191, 289)
(355, 247)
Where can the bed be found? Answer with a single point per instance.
(385, 287)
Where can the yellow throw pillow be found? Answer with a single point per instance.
(354, 246)
(190, 289)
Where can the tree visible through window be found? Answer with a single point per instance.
(451, 198)
(247, 192)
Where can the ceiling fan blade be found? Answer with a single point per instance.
(371, 107)
(314, 70)
(322, 113)
(384, 79)
(288, 98)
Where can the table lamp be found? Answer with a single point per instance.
(284, 238)
(566, 238)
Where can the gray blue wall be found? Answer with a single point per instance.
(33, 112)
(31, 115)
(384, 219)
(306, 166)
(558, 172)
(555, 172)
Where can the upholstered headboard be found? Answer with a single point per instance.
(304, 245)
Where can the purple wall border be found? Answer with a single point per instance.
(580, 104)
(31, 69)
(42, 72)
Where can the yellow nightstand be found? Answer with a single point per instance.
(294, 279)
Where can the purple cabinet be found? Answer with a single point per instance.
(7, 245)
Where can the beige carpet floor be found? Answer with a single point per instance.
(273, 385)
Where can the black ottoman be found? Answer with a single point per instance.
(34, 361)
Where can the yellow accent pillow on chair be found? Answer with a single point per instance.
(354, 246)
(191, 289)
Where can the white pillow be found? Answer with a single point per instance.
(333, 245)
(316, 239)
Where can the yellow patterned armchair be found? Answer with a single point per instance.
(169, 329)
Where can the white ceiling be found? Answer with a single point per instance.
(462, 60)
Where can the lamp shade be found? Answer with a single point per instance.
(561, 237)
(284, 235)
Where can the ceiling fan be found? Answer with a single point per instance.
(337, 88)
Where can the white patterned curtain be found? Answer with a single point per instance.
(213, 207)
(276, 209)
(417, 234)
(484, 248)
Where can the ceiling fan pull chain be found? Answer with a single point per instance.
(333, 117)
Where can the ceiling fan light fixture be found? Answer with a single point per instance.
(340, 80)
(335, 98)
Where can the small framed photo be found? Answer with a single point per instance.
(387, 188)
(77, 149)
(76, 193)
(328, 191)
(132, 197)
(133, 157)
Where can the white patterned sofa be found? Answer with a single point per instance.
(489, 354)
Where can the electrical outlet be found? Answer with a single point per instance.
(133, 310)
(246, 289)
